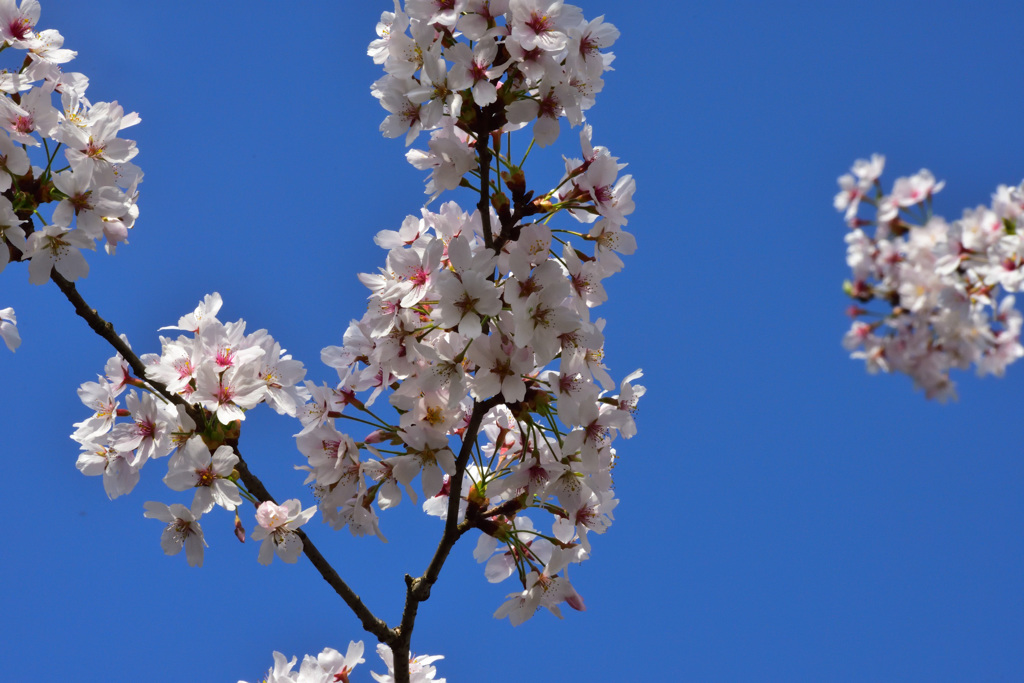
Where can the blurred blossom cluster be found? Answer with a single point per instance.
(947, 287)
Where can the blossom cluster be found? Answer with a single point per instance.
(94, 188)
(478, 328)
(949, 286)
(539, 59)
(223, 372)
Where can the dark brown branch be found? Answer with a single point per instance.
(486, 120)
(371, 623)
(418, 589)
(484, 205)
(105, 329)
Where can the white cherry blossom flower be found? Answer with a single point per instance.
(193, 466)
(182, 531)
(57, 246)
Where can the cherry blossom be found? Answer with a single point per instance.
(277, 525)
(183, 530)
(209, 474)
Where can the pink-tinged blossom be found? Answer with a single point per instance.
(542, 318)
(412, 229)
(182, 531)
(34, 114)
(405, 115)
(586, 40)
(148, 435)
(523, 546)
(117, 370)
(383, 473)
(853, 188)
(581, 355)
(500, 368)
(585, 278)
(907, 192)
(470, 70)
(551, 103)
(596, 433)
(48, 51)
(327, 667)
(356, 514)
(96, 150)
(316, 411)
(595, 514)
(571, 391)
(466, 301)
(333, 458)
(415, 267)
(229, 393)
(176, 367)
(449, 159)
(17, 23)
(479, 20)
(610, 241)
(228, 347)
(390, 26)
(1008, 202)
(629, 397)
(277, 525)
(337, 667)
(542, 23)
(612, 196)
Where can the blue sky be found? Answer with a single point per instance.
(783, 515)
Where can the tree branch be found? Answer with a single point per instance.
(418, 589)
(105, 329)
(371, 623)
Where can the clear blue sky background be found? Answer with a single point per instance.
(784, 516)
